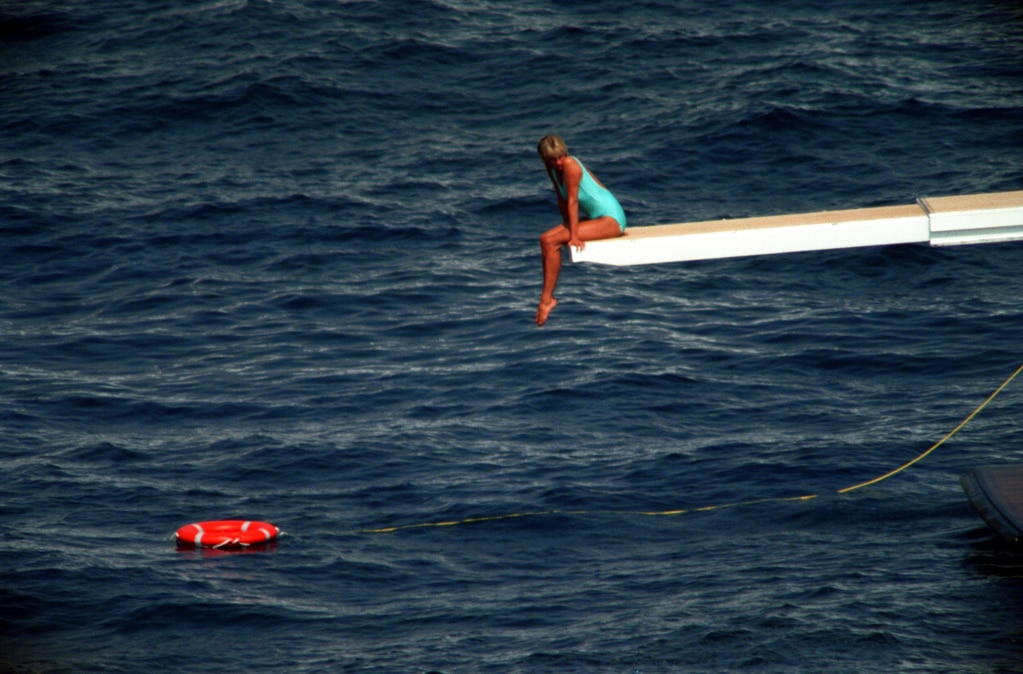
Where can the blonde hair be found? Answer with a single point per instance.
(551, 147)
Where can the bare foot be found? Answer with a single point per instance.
(544, 310)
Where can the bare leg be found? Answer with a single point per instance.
(551, 242)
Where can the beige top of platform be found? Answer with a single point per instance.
(973, 202)
(770, 221)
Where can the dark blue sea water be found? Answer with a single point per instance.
(278, 261)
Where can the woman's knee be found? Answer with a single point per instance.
(552, 239)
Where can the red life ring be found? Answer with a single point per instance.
(227, 534)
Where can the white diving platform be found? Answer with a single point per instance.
(939, 221)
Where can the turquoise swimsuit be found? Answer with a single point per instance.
(594, 200)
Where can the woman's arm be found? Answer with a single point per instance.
(562, 204)
(573, 176)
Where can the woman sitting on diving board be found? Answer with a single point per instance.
(579, 194)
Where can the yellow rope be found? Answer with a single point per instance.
(700, 509)
(468, 520)
(704, 509)
(939, 442)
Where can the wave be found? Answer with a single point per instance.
(30, 26)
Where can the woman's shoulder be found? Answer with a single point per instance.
(572, 166)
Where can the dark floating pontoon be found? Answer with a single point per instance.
(997, 494)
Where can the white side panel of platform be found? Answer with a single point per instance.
(976, 218)
(761, 236)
